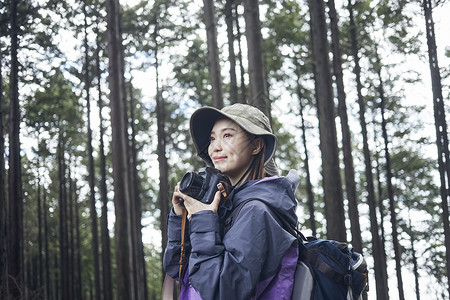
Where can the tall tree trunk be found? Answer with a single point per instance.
(28, 276)
(91, 168)
(47, 252)
(209, 16)
(390, 189)
(346, 134)
(378, 256)
(39, 216)
(334, 207)
(63, 241)
(133, 199)
(77, 254)
(415, 266)
(67, 224)
(441, 129)
(105, 240)
(256, 70)
(71, 235)
(4, 290)
(412, 240)
(56, 279)
(139, 261)
(243, 89)
(380, 206)
(122, 198)
(163, 196)
(228, 11)
(309, 189)
(15, 196)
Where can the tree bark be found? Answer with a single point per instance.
(228, 10)
(4, 290)
(390, 190)
(379, 262)
(63, 239)
(334, 207)
(15, 195)
(71, 235)
(105, 239)
(91, 176)
(309, 189)
(122, 198)
(213, 53)
(40, 242)
(163, 196)
(256, 72)
(47, 253)
(345, 129)
(380, 206)
(413, 240)
(243, 89)
(77, 253)
(139, 261)
(441, 129)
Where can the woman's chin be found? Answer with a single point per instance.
(220, 167)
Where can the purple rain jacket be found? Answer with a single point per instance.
(255, 259)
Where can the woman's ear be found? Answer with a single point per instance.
(258, 144)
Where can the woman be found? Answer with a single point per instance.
(235, 248)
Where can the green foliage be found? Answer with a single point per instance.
(154, 273)
(364, 19)
(191, 72)
(288, 43)
(415, 190)
(54, 107)
(397, 24)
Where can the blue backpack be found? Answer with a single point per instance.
(326, 269)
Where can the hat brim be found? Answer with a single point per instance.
(203, 120)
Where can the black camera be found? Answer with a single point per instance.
(204, 184)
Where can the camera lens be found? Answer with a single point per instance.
(191, 184)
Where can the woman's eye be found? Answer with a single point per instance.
(226, 135)
(211, 138)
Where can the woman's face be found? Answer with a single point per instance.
(231, 149)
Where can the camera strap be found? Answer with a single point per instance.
(182, 252)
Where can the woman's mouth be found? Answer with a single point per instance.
(217, 159)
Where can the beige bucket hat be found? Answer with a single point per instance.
(248, 117)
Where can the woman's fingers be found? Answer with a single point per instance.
(178, 206)
(215, 204)
(193, 206)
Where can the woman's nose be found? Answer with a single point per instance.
(216, 146)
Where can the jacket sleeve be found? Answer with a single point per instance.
(231, 268)
(171, 256)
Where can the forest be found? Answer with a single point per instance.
(95, 101)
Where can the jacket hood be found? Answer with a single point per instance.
(277, 192)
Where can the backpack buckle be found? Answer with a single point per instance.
(348, 279)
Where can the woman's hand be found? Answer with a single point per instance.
(178, 206)
(192, 205)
